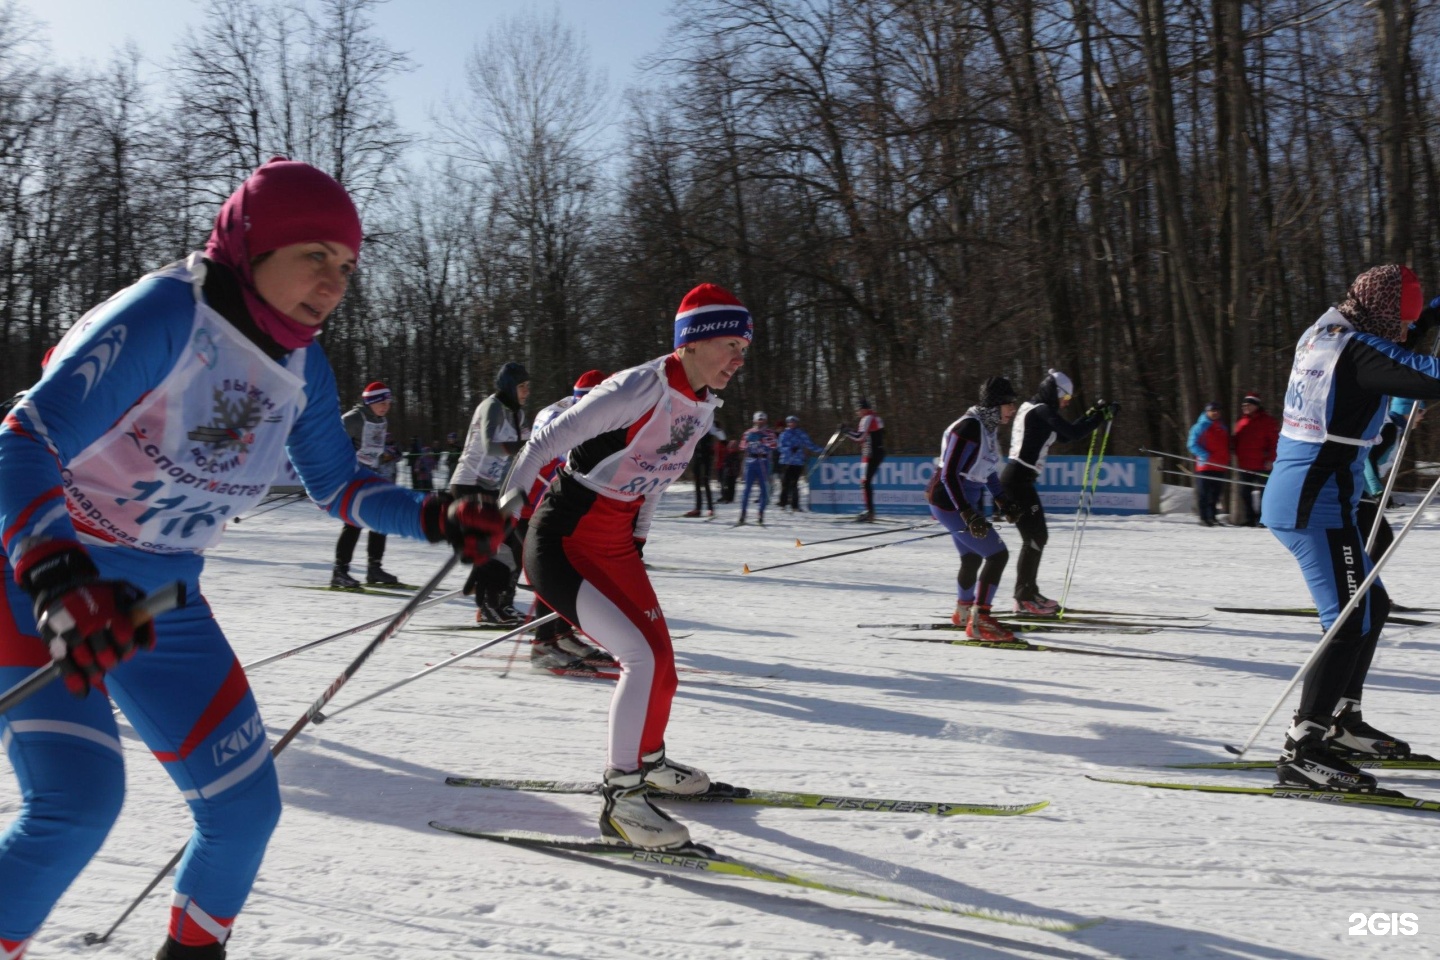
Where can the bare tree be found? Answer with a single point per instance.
(526, 132)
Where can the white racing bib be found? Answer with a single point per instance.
(372, 443)
(987, 461)
(201, 447)
(1312, 375)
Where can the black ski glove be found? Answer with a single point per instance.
(1011, 510)
(979, 526)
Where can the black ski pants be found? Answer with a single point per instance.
(700, 468)
(867, 486)
(1018, 482)
(790, 485)
(1207, 496)
(349, 537)
(1250, 497)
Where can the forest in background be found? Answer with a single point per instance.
(1155, 196)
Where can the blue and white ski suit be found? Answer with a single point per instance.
(1335, 405)
(156, 421)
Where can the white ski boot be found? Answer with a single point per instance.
(667, 776)
(630, 816)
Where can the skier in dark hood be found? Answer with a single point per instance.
(497, 432)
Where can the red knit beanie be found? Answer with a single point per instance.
(282, 203)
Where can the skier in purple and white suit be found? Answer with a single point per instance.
(161, 414)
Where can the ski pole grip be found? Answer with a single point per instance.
(168, 597)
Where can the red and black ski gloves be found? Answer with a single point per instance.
(86, 621)
(473, 527)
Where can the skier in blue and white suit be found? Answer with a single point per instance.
(795, 450)
(1345, 366)
(968, 466)
(161, 414)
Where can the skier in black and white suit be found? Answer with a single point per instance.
(1037, 426)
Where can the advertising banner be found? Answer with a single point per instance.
(1124, 485)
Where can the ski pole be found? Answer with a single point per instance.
(390, 629)
(1394, 474)
(846, 553)
(857, 536)
(1087, 495)
(282, 501)
(349, 632)
(168, 597)
(1176, 456)
(1238, 483)
(1339, 621)
(512, 635)
(830, 446)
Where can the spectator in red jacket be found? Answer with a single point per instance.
(1210, 443)
(1255, 438)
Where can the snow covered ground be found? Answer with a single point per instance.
(798, 698)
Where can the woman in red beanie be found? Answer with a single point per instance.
(162, 413)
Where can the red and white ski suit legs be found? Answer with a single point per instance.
(581, 557)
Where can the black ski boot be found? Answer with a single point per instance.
(1351, 737)
(1308, 762)
(376, 574)
(175, 950)
(340, 578)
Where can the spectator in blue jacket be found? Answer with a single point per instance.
(1210, 443)
(795, 449)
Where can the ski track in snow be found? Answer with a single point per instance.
(353, 870)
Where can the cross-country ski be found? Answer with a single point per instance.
(745, 796)
(702, 860)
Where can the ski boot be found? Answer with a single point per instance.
(629, 815)
(961, 616)
(667, 776)
(340, 578)
(547, 655)
(591, 656)
(986, 628)
(1351, 737)
(376, 574)
(691, 513)
(1308, 762)
(486, 612)
(1036, 606)
(175, 950)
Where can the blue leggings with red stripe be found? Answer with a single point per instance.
(189, 701)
